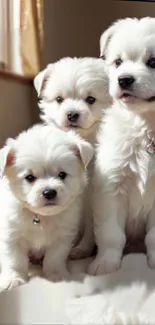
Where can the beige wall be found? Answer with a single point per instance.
(17, 107)
(134, 9)
(73, 27)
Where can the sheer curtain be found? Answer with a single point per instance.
(21, 36)
(14, 38)
(31, 35)
(4, 36)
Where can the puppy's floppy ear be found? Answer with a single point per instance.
(6, 159)
(104, 40)
(41, 78)
(84, 151)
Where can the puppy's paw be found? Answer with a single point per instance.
(108, 263)
(8, 282)
(79, 252)
(57, 275)
(102, 267)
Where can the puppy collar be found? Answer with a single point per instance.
(150, 147)
(40, 223)
(36, 220)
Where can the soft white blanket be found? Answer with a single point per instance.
(125, 297)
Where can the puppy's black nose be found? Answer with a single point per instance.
(49, 194)
(73, 117)
(126, 82)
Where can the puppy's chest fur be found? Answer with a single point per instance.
(137, 183)
(137, 173)
(131, 170)
(49, 233)
(38, 236)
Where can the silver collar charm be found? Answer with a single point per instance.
(150, 147)
(36, 221)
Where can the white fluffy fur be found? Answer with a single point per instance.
(95, 310)
(124, 199)
(75, 79)
(43, 152)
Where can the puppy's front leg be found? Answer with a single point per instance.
(54, 263)
(110, 217)
(14, 265)
(150, 238)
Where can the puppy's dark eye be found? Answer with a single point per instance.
(62, 175)
(30, 178)
(90, 100)
(59, 99)
(151, 63)
(118, 62)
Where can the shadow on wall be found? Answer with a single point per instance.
(73, 28)
(141, 0)
(18, 107)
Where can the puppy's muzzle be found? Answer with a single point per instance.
(126, 82)
(73, 117)
(49, 194)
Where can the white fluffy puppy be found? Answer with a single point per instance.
(45, 174)
(74, 94)
(124, 196)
